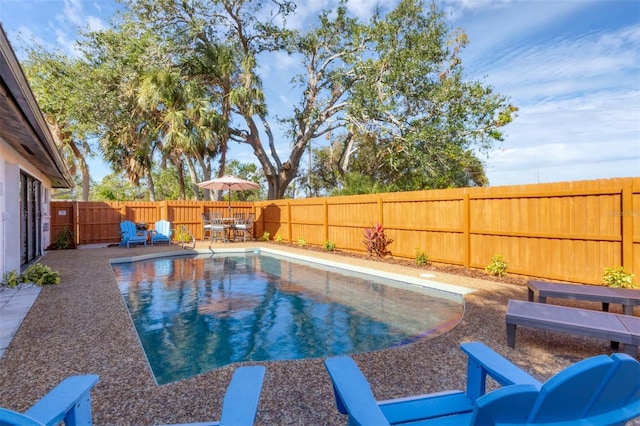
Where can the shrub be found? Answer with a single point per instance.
(64, 239)
(278, 238)
(497, 267)
(618, 278)
(41, 275)
(329, 245)
(376, 241)
(181, 235)
(302, 242)
(11, 279)
(265, 236)
(37, 273)
(421, 257)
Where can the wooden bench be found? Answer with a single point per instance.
(628, 298)
(603, 325)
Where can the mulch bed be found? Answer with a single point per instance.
(435, 267)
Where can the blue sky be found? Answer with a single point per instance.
(571, 66)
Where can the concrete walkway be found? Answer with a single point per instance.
(14, 305)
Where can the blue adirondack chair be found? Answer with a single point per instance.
(131, 234)
(161, 232)
(596, 391)
(70, 402)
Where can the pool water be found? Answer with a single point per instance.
(195, 314)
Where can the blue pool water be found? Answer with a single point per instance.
(195, 314)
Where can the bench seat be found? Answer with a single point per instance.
(603, 325)
(626, 297)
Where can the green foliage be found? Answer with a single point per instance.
(421, 257)
(302, 242)
(376, 241)
(618, 278)
(11, 279)
(178, 81)
(329, 245)
(497, 267)
(278, 238)
(64, 239)
(37, 273)
(180, 235)
(265, 236)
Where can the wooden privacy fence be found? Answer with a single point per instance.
(566, 231)
(99, 222)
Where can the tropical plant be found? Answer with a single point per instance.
(421, 257)
(178, 80)
(278, 238)
(37, 273)
(11, 279)
(329, 245)
(497, 266)
(376, 241)
(617, 277)
(64, 239)
(265, 236)
(302, 242)
(41, 275)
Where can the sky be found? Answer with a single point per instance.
(572, 67)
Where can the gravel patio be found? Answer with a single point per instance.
(82, 326)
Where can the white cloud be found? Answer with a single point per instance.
(593, 136)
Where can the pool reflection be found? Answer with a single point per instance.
(197, 314)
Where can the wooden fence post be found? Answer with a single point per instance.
(466, 211)
(626, 221)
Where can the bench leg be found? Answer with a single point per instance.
(511, 335)
(530, 293)
(631, 350)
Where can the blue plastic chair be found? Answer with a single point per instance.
(597, 391)
(131, 234)
(70, 402)
(161, 232)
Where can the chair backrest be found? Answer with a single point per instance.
(128, 227)
(162, 227)
(598, 390)
(250, 218)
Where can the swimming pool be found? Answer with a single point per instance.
(197, 313)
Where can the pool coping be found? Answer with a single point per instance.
(417, 281)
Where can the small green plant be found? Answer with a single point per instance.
(618, 278)
(497, 267)
(181, 235)
(11, 279)
(41, 275)
(329, 245)
(278, 238)
(64, 239)
(421, 257)
(376, 241)
(37, 273)
(302, 242)
(265, 236)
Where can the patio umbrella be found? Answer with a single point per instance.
(231, 183)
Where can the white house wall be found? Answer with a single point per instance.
(11, 164)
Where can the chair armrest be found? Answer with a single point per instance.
(69, 401)
(240, 404)
(353, 393)
(482, 361)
